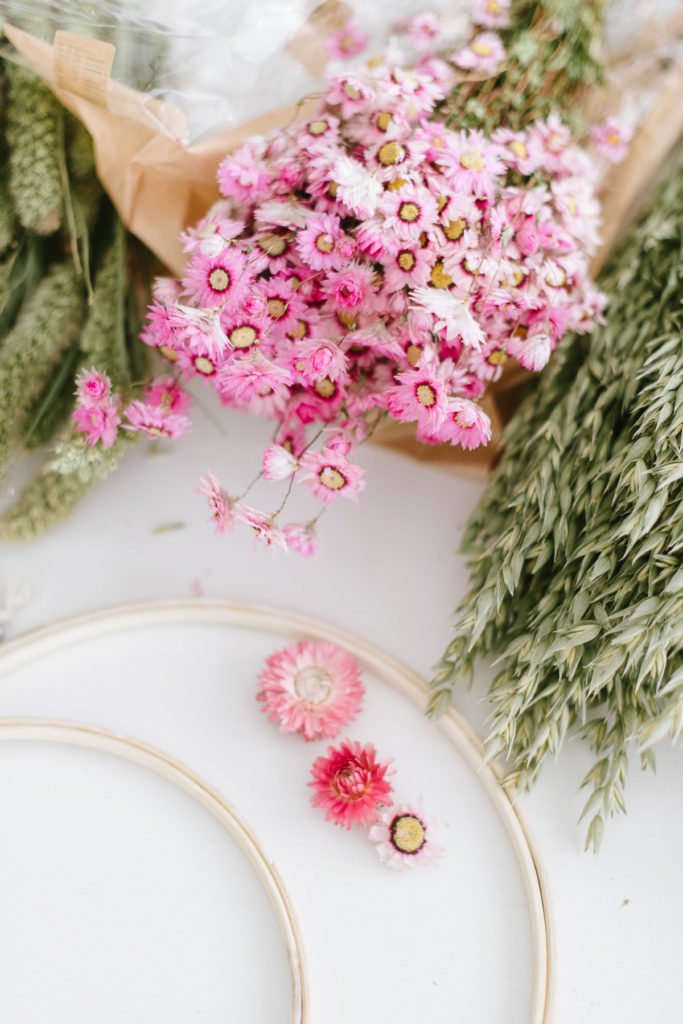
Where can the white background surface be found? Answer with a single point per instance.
(388, 571)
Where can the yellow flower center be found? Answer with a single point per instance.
(300, 331)
(414, 354)
(406, 259)
(273, 245)
(497, 358)
(347, 319)
(438, 277)
(156, 432)
(408, 212)
(243, 337)
(407, 833)
(326, 388)
(332, 478)
(313, 684)
(351, 91)
(396, 185)
(519, 149)
(384, 121)
(324, 243)
(332, 189)
(441, 202)
(219, 279)
(203, 364)
(276, 308)
(454, 229)
(494, 7)
(317, 127)
(571, 205)
(391, 153)
(520, 331)
(481, 49)
(472, 160)
(472, 266)
(169, 353)
(613, 139)
(426, 395)
(556, 278)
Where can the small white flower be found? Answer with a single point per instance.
(278, 463)
(286, 214)
(451, 314)
(359, 190)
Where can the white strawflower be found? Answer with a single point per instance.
(359, 190)
(451, 314)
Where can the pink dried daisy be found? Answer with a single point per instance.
(471, 164)
(278, 463)
(322, 244)
(330, 475)
(92, 387)
(347, 42)
(155, 420)
(99, 423)
(466, 424)
(220, 503)
(301, 538)
(350, 784)
(484, 54)
(492, 13)
(419, 395)
(311, 687)
(611, 139)
(221, 280)
(403, 835)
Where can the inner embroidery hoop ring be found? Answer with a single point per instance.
(386, 668)
(93, 738)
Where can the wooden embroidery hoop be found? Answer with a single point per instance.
(388, 669)
(90, 737)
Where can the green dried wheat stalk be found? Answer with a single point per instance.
(576, 548)
(34, 135)
(47, 326)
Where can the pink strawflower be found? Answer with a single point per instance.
(451, 315)
(330, 475)
(167, 392)
(419, 395)
(92, 388)
(221, 280)
(532, 352)
(349, 288)
(403, 834)
(347, 42)
(484, 54)
(262, 524)
(409, 212)
(251, 376)
(350, 784)
(311, 687)
(491, 13)
(423, 30)
(301, 538)
(471, 163)
(321, 244)
(155, 420)
(465, 424)
(99, 423)
(611, 139)
(278, 463)
(357, 188)
(220, 503)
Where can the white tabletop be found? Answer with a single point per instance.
(388, 571)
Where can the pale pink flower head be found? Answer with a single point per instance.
(278, 463)
(611, 139)
(330, 475)
(419, 395)
(252, 376)
(471, 164)
(311, 687)
(99, 423)
(301, 538)
(491, 13)
(92, 388)
(350, 784)
(532, 352)
(221, 280)
(220, 503)
(263, 526)
(155, 420)
(451, 315)
(423, 30)
(358, 189)
(347, 42)
(466, 424)
(409, 212)
(242, 175)
(349, 288)
(167, 392)
(322, 244)
(404, 837)
(484, 54)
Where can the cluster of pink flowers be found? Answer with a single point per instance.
(315, 688)
(375, 263)
(159, 413)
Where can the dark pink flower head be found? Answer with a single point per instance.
(350, 784)
(92, 387)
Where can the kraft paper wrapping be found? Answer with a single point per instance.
(160, 186)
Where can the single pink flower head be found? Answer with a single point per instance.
(99, 423)
(155, 421)
(347, 42)
(329, 475)
(403, 835)
(484, 54)
(491, 13)
(92, 387)
(278, 463)
(611, 139)
(419, 395)
(466, 424)
(350, 784)
(301, 538)
(220, 503)
(311, 687)
(221, 280)
(167, 393)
